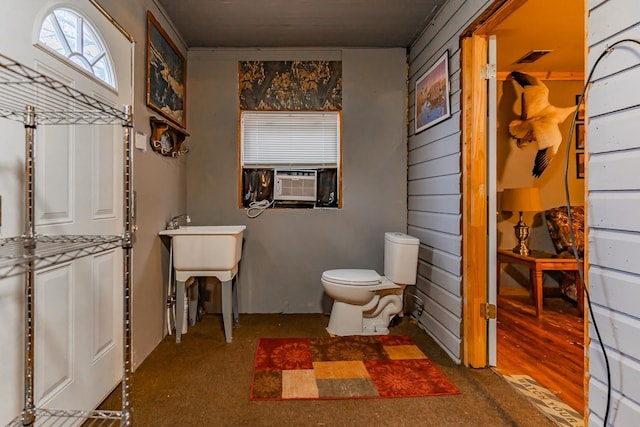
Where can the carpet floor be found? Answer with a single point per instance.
(205, 382)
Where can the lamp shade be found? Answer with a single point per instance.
(521, 199)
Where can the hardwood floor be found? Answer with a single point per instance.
(549, 349)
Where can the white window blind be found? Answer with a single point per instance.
(279, 138)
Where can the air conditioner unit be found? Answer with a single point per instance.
(295, 185)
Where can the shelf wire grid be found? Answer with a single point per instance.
(55, 103)
(69, 418)
(50, 250)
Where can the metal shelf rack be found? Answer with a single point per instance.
(34, 99)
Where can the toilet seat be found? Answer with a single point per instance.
(352, 277)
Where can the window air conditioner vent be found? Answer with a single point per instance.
(295, 185)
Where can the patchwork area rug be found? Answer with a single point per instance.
(344, 368)
(548, 403)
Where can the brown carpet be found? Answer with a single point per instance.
(206, 382)
(344, 367)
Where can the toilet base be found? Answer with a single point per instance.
(345, 319)
(348, 319)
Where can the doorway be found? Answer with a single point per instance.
(517, 32)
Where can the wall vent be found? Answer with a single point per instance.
(532, 56)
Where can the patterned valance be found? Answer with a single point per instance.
(290, 85)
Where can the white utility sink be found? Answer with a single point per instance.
(206, 247)
(207, 251)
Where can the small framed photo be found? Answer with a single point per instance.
(580, 165)
(580, 107)
(579, 136)
(432, 95)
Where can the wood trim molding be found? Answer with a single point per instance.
(492, 16)
(474, 200)
(474, 179)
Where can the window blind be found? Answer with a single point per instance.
(278, 138)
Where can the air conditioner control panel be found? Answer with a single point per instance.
(295, 184)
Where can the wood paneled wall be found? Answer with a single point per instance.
(435, 182)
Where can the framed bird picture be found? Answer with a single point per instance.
(579, 136)
(432, 95)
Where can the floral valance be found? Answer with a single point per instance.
(290, 85)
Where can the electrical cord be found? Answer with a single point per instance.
(570, 217)
(256, 208)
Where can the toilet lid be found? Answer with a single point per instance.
(352, 277)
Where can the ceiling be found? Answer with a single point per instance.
(538, 24)
(300, 23)
(543, 24)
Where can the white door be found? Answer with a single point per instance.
(79, 180)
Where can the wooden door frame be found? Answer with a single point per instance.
(475, 217)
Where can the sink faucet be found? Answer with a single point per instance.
(173, 223)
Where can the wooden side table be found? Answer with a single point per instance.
(537, 262)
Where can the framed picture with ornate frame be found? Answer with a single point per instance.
(166, 75)
(432, 104)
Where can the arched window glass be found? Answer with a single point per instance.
(69, 34)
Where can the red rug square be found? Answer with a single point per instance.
(283, 354)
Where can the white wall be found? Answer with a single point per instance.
(613, 202)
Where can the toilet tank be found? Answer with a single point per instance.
(401, 258)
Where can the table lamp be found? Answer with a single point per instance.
(521, 200)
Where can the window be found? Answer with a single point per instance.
(69, 34)
(302, 143)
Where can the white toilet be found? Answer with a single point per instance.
(364, 301)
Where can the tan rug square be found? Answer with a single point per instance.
(299, 384)
(346, 369)
(404, 352)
